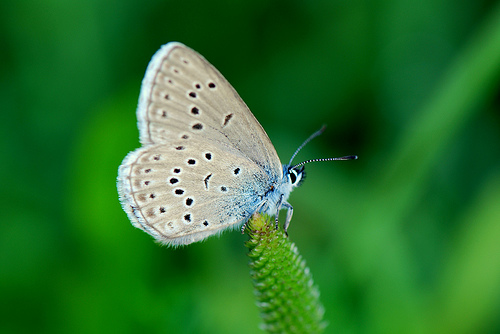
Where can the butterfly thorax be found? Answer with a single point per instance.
(279, 192)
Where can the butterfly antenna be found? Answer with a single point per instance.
(311, 137)
(348, 157)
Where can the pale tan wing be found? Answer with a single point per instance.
(183, 196)
(184, 97)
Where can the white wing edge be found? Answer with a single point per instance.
(125, 195)
(147, 85)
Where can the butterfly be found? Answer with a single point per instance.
(206, 164)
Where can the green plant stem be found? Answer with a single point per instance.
(284, 288)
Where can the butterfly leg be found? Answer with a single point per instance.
(243, 227)
(289, 214)
(278, 208)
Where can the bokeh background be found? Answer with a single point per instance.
(404, 240)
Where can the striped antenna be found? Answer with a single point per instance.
(311, 137)
(348, 157)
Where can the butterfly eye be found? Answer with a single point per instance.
(296, 176)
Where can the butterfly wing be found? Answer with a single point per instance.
(180, 197)
(184, 96)
(206, 163)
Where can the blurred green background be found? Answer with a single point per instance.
(404, 240)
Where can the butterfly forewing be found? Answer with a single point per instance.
(184, 96)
